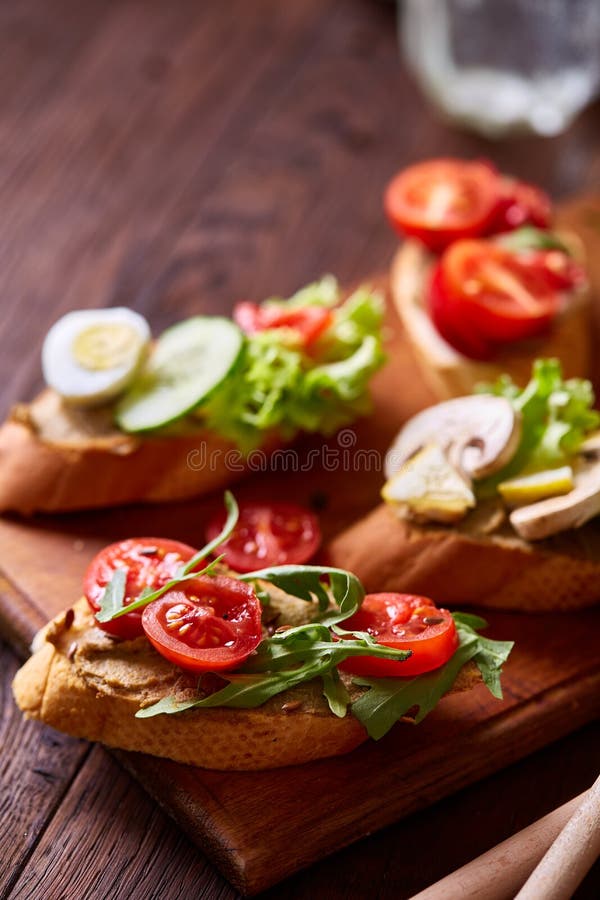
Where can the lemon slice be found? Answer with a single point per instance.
(529, 488)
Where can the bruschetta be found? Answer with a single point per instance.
(173, 656)
(124, 419)
(482, 283)
(490, 500)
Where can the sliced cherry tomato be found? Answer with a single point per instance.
(442, 200)
(451, 322)
(562, 271)
(309, 321)
(210, 624)
(150, 562)
(268, 534)
(520, 204)
(405, 622)
(504, 296)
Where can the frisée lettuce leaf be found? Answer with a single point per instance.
(556, 415)
(279, 385)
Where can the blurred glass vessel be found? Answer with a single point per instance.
(501, 66)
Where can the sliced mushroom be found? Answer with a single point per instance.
(556, 514)
(427, 487)
(479, 434)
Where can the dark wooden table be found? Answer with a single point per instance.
(176, 156)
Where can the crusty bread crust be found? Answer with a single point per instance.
(458, 568)
(448, 372)
(45, 472)
(292, 728)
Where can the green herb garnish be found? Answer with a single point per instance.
(556, 415)
(389, 699)
(279, 385)
(314, 650)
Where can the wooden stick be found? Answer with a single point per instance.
(571, 856)
(499, 873)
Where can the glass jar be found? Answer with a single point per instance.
(501, 66)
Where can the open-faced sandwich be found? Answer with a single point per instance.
(124, 419)
(483, 285)
(490, 500)
(172, 656)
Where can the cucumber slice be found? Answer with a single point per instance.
(189, 361)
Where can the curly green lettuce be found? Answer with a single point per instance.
(279, 385)
(557, 414)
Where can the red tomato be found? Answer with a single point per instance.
(405, 622)
(442, 200)
(451, 322)
(504, 296)
(309, 321)
(521, 204)
(268, 534)
(562, 271)
(150, 562)
(211, 624)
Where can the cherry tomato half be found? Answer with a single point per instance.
(451, 321)
(150, 562)
(268, 534)
(308, 321)
(442, 200)
(561, 271)
(211, 624)
(484, 291)
(521, 204)
(405, 622)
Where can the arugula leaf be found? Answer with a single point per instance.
(469, 620)
(233, 513)
(300, 654)
(490, 656)
(388, 699)
(336, 693)
(305, 582)
(280, 663)
(114, 594)
(111, 603)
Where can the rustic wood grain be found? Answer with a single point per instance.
(176, 157)
(73, 834)
(30, 793)
(547, 694)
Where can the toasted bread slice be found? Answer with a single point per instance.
(82, 682)
(448, 372)
(55, 458)
(465, 566)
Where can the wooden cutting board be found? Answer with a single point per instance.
(260, 827)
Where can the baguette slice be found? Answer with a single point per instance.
(450, 374)
(55, 458)
(464, 566)
(81, 682)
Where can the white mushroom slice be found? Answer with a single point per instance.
(556, 514)
(479, 434)
(428, 487)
